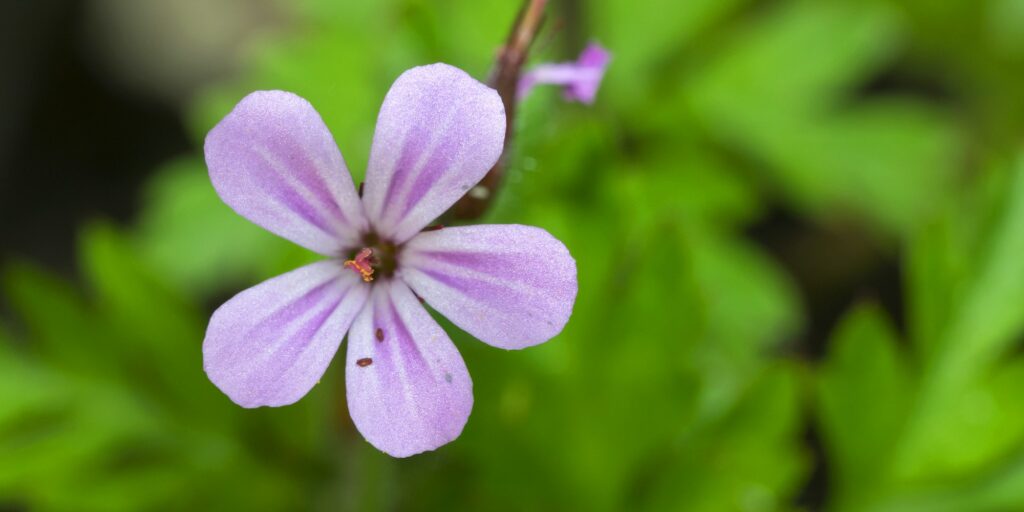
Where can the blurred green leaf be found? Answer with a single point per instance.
(64, 329)
(985, 321)
(644, 38)
(863, 392)
(796, 59)
(778, 93)
(127, 420)
(747, 460)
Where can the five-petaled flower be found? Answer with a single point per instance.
(274, 161)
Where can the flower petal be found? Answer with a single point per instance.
(438, 134)
(270, 344)
(407, 386)
(274, 162)
(510, 286)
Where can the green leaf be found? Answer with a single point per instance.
(779, 92)
(984, 324)
(63, 328)
(152, 325)
(863, 392)
(747, 460)
(892, 160)
(641, 40)
(796, 60)
(981, 466)
(990, 315)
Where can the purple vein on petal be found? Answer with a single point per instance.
(403, 354)
(476, 288)
(439, 163)
(504, 266)
(412, 148)
(298, 341)
(490, 262)
(426, 156)
(297, 197)
(290, 311)
(319, 188)
(404, 335)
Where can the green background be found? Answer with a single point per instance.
(799, 229)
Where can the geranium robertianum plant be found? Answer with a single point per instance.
(274, 161)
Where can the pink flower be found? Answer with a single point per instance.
(580, 80)
(274, 162)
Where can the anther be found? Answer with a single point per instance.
(361, 264)
(379, 334)
(364, 362)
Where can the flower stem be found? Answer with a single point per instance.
(504, 78)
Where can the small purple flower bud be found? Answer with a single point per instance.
(580, 80)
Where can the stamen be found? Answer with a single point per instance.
(364, 362)
(361, 264)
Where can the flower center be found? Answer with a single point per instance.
(378, 256)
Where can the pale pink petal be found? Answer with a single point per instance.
(407, 386)
(270, 344)
(438, 133)
(510, 286)
(274, 162)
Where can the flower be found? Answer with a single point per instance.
(274, 162)
(580, 79)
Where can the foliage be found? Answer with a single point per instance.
(680, 382)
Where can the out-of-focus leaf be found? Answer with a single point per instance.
(64, 329)
(797, 59)
(86, 440)
(695, 187)
(862, 394)
(986, 321)
(738, 281)
(945, 255)
(892, 160)
(747, 460)
(991, 314)
(982, 466)
(777, 93)
(644, 37)
(157, 327)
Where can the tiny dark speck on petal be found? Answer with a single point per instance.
(379, 334)
(447, 377)
(364, 362)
